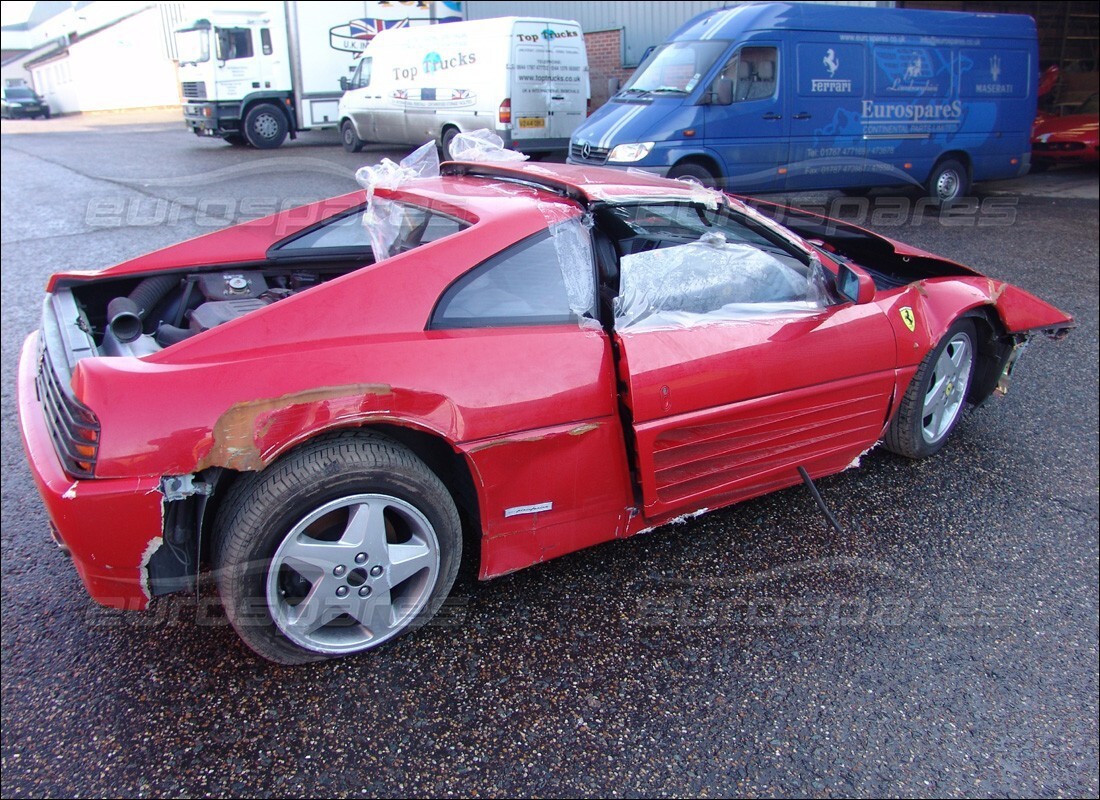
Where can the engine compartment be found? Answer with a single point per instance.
(140, 316)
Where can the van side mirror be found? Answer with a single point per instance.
(855, 285)
(723, 92)
(612, 86)
(343, 83)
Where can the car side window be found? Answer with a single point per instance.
(546, 279)
(234, 43)
(684, 266)
(753, 73)
(361, 79)
(347, 234)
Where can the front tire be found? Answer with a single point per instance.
(694, 172)
(349, 137)
(934, 401)
(340, 546)
(265, 126)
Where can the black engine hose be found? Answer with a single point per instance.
(151, 291)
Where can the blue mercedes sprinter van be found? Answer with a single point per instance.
(795, 96)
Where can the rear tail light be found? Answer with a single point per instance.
(504, 114)
(73, 426)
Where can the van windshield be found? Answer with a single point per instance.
(675, 67)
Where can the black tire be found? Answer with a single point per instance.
(949, 181)
(327, 520)
(265, 126)
(235, 139)
(445, 143)
(352, 142)
(946, 372)
(696, 172)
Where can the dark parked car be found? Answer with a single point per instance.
(19, 101)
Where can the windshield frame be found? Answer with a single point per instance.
(647, 79)
(204, 44)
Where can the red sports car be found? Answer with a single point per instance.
(545, 357)
(1070, 139)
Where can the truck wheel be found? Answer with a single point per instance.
(338, 547)
(351, 140)
(949, 181)
(694, 172)
(265, 126)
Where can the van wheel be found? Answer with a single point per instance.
(949, 181)
(351, 140)
(694, 172)
(337, 548)
(448, 137)
(265, 126)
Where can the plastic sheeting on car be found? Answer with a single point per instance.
(482, 145)
(712, 280)
(384, 218)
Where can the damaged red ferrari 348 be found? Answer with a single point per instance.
(317, 404)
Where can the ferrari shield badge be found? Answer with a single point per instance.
(908, 318)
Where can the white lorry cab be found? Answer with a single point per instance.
(524, 78)
(257, 72)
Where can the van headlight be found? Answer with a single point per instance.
(627, 153)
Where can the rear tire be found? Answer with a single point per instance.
(934, 402)
(348, 135)
(445, 144)
(265, 126)
(337, 548)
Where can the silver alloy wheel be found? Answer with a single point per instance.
(353, 573)
(947, 388)
(948, 185)
(266, 126)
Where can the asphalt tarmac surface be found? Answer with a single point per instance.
(944, 645)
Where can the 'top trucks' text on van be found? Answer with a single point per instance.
(524, 78)
(782, 96)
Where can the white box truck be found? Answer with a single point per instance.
(257, 72)
(525, 78)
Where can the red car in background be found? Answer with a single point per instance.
(319, 404)
(1073, 138)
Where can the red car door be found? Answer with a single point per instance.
(730, 410)
(739, 363)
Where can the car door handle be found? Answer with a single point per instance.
(772, 115)
(803, 115)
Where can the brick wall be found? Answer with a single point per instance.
(605, 58)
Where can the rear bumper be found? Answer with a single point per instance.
(540, 145)
(110, 527)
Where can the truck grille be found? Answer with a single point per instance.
(194, 90)
(594, 155)
(72, 425)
